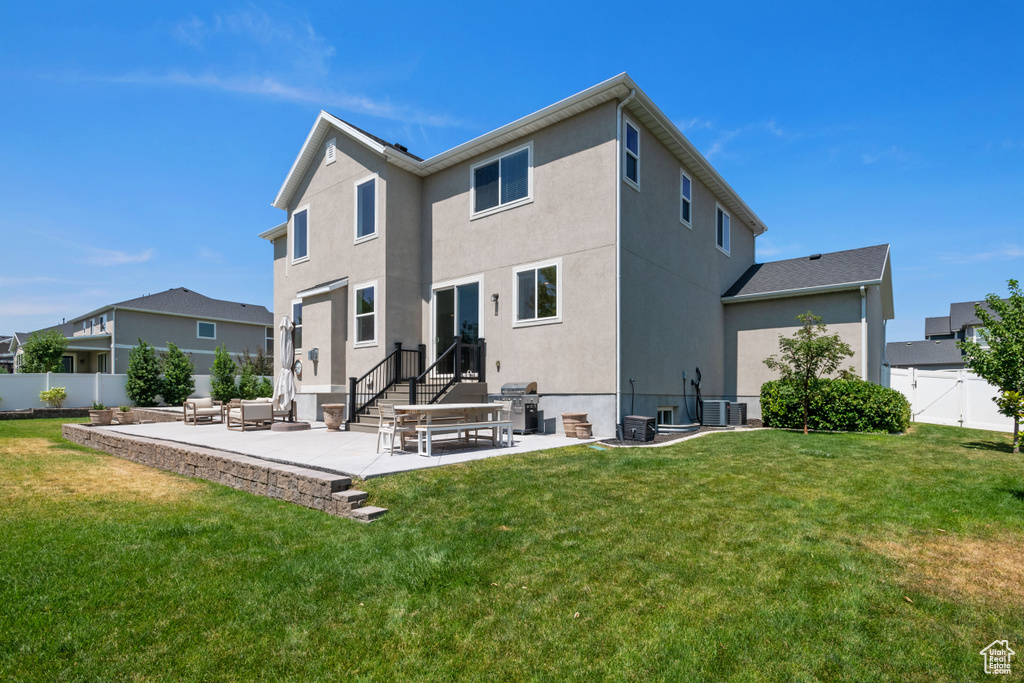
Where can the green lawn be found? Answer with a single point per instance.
(738, 556)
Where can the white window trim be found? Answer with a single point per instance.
(671, 409)
(206, 322)
(626, 152)
(377, 310)
(447, 284)
(269, 337)
(687, 223)
(291, 234)
(473, 214)
(725, 237)
(331, 152)
(355, 209)
(291, 315)
(559, 286)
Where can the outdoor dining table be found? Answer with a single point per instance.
(450, 413)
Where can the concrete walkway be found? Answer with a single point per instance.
(349, 453)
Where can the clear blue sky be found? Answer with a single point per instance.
(141, 144)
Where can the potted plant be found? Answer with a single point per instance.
(100, 414)
(125, 416)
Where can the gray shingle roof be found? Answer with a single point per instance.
(919, 353)
(186, 302)
(936, 326)
(837, 268)
(962, 314)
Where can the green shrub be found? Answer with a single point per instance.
(143, 383)
(44, 352)
(248, 384)
(54, 397)
(96, 405)
(222, 376)
(845, 405)
(265, 389)
(177, 383)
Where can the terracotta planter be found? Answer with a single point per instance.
(570, 420)
(334, 415)
(101, 417)
(126, 418)
(584, 430)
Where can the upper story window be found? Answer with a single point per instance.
(297, 321)
(977, 334)
(103, 323)
(300, 234)
(538, 297)
(270, 340)
(722, 228)
(366, 209)
(631, 150)
(366, 315)
(330, 152)
(206, 330)
(502, 182)
(685, 193)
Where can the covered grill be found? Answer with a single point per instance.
(523, 396)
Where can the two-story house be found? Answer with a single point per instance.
(589, 244)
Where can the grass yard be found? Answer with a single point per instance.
(756, 556)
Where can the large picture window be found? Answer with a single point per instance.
(300, 235)
(504, 181)
(538, 294)
(722, 229)
(366, 209)
(366, 315)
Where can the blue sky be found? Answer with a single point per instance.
(141, 144)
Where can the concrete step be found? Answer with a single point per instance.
(363, 427)
(368, 513)
(350, 499)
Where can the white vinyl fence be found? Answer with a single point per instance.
(20, 391)
(950, 397)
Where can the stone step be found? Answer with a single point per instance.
(350, 499)
(368, 513)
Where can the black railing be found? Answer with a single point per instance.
(461, 362)
(399, 366)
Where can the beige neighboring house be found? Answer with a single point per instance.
(100, 340)
(579, 247)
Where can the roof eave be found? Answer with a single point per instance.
(803, 291)
(275, 232)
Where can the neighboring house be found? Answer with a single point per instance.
(6, 356)
(100, 340)
(581, 247)
(938, 351)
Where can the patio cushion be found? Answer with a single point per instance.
(202, 402)
(207, 411)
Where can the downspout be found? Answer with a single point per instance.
(863, 334)
(618, 259)
(113, 346)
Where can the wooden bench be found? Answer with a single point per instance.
(499, 430)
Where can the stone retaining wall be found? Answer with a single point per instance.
(330, 493)
(43, 413)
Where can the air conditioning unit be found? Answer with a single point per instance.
(737, 414)
(716, 413)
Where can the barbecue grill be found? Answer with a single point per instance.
(523, 396)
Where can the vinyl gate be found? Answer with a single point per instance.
(950, 397)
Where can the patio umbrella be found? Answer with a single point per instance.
(284, 391)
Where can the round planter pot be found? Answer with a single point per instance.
(101, 417)
(334, 415)
(584, 430)
(570, 420)
(125, 418)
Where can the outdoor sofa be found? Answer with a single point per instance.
(258, 412)
(202, 410)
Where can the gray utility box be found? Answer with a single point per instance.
(638, 428)
(737, 414)
(716, 413)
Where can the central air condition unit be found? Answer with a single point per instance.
(716, 413)
(738, 414)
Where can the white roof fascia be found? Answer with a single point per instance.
(193, 317)
(784, 293)
(322, 289)
(274, 232)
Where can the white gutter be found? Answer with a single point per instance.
(863, 334)
(618, 259)
(803, 291)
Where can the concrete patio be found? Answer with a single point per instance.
(347, 453)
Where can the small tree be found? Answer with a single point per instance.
(44, 351)
(1000, 360)
(248, 383)
(178, 383)
(262, 363)
(143, 383)
(222, 376)
(807, 356)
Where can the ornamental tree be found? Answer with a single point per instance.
(43, 352)
(806, 357)
(143, 383)
(178, 383)
(222, 376)
(999, 359)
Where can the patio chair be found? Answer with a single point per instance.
(252, 414)
(391, 425)
(202, 410)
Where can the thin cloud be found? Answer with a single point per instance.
(1007, 253)
(894, 154)
(111, 257)
(210, 255)
(694, 124)
(726, 136)
(35, 279)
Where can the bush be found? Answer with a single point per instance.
(845, 405)
(54, 397)
(222, 376)
(248, 384)
(43, 352)
(143, 383)
(265, 389)
(177, 383)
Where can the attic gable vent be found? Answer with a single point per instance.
(329, 155)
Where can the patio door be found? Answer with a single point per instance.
(456, 312)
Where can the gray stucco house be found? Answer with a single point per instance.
(100, 340)
(581, 247)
